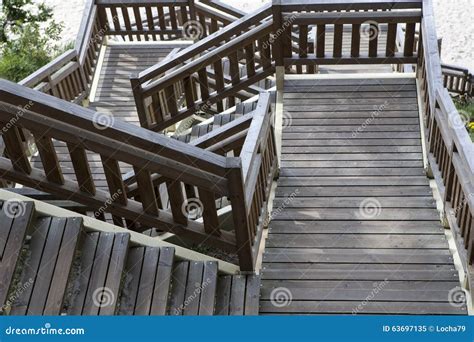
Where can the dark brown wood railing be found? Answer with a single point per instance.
(450, 150)
(458, 80)
(244, 181)
(69, 76)
(199, 71)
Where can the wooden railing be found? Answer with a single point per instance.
(292, 18)
(458, 80)
(69, 76)
(244, 181)
(200, 71)
(450, 150)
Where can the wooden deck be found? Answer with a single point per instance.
(355, 228)
(53, 266)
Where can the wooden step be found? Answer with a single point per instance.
(15, 219)
(97, 284)
(238, 295)
(193, 288)
(147, 282)
(46, 271)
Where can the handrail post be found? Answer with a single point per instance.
(278, 41)
(139, 100)
(192, 10)
(239, 214)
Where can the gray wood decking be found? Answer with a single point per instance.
(114, 97)
(355, 228)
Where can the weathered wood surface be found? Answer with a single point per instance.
(355, 227)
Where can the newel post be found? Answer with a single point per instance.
(139, 100)
(239, 214)
(277, 38)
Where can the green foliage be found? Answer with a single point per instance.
(28, 38)
(465, 105)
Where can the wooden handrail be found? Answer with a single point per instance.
(156, 160)
(212, 41)
(450, 149)
(226, 8)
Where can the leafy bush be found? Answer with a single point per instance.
(465, 105)
(28, 38)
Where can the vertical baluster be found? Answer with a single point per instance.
(114, 179)
(126, 19)
(146, 191)
(162, 21)
(16, 150)
(81, 168)
(173, 20)
(209, 214)
(338, 37)
(391, 39)
(151, 24)
(321, 41)
(249, 60)
(49, 158)
(303, 42)
(409, 39)
(373, 39)
(176, 200)
(355, 40)
(219, 75)
(203, 84)
(138, 22)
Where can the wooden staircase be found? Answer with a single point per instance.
(54, 265)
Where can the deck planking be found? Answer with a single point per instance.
(355, 229)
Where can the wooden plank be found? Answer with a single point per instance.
(89, 249)
(237, 296)
(48, 261)
(31, 272)
(17, 228)
(163, 281)
(96, 285)
(252, 295)
(223, 295)
(114, 273)
(193, 289)
(147, 281)
(179, 280)
(209, 289)
(132, 281)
